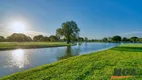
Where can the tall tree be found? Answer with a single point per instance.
(68, 30)
(74, 38)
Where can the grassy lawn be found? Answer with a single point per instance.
(94, 66)
(15, 45)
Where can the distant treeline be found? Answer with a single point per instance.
(120, 39)
(69, 32)
(19, 37)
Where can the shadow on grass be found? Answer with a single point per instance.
(128, 49)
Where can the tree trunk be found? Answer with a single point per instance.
(68, 41)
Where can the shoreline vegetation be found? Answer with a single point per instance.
(95, 66)
(31, 45)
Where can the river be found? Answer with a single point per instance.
(22, 59)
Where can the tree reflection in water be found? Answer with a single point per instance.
(70, 52)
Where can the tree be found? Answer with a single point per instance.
(38, 38)
(109, 39)
(59, 32)
(68, 30)
(93, 40)
(46, 39)
(116, 38)
(2, 39)
(124, 39)
(18, 37)
(74, 38)
(133, 39)
(41, 38)
(80, 39)
(139, 40)
(53, 38)
(86, 39)
(104, 39)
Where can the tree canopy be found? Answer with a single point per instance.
(133, 39)
(68, 30)
(116, 38)
(2, 39)
(38, 38)
(54, 38)
(18, 37)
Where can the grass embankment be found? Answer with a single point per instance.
(95, 66)
(27, 45)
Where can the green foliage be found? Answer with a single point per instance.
(18, 37)
(41, 38)
(124, 39)
(116, 38)
(109, 39)
(68, 30)
(38, 38)
(94, 66)
(134, 39)
(54, 38)
(80, 39)
(105, 39)
(139, 40)
(47, 39)
(2, 39)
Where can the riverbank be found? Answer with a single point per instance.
(94, 66)
(29, 45)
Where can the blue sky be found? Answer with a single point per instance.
(95, 18)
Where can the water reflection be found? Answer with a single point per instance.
(68, 53)
(18, 58)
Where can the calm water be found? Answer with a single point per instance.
(20, 59)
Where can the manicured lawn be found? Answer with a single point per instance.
(15, 45)
(94, 66)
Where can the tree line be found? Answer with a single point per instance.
(117, 38)
(68, 32)
(19, 37)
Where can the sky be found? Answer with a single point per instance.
(95, 18)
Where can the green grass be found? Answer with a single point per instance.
(94, 66)
(26, 45)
